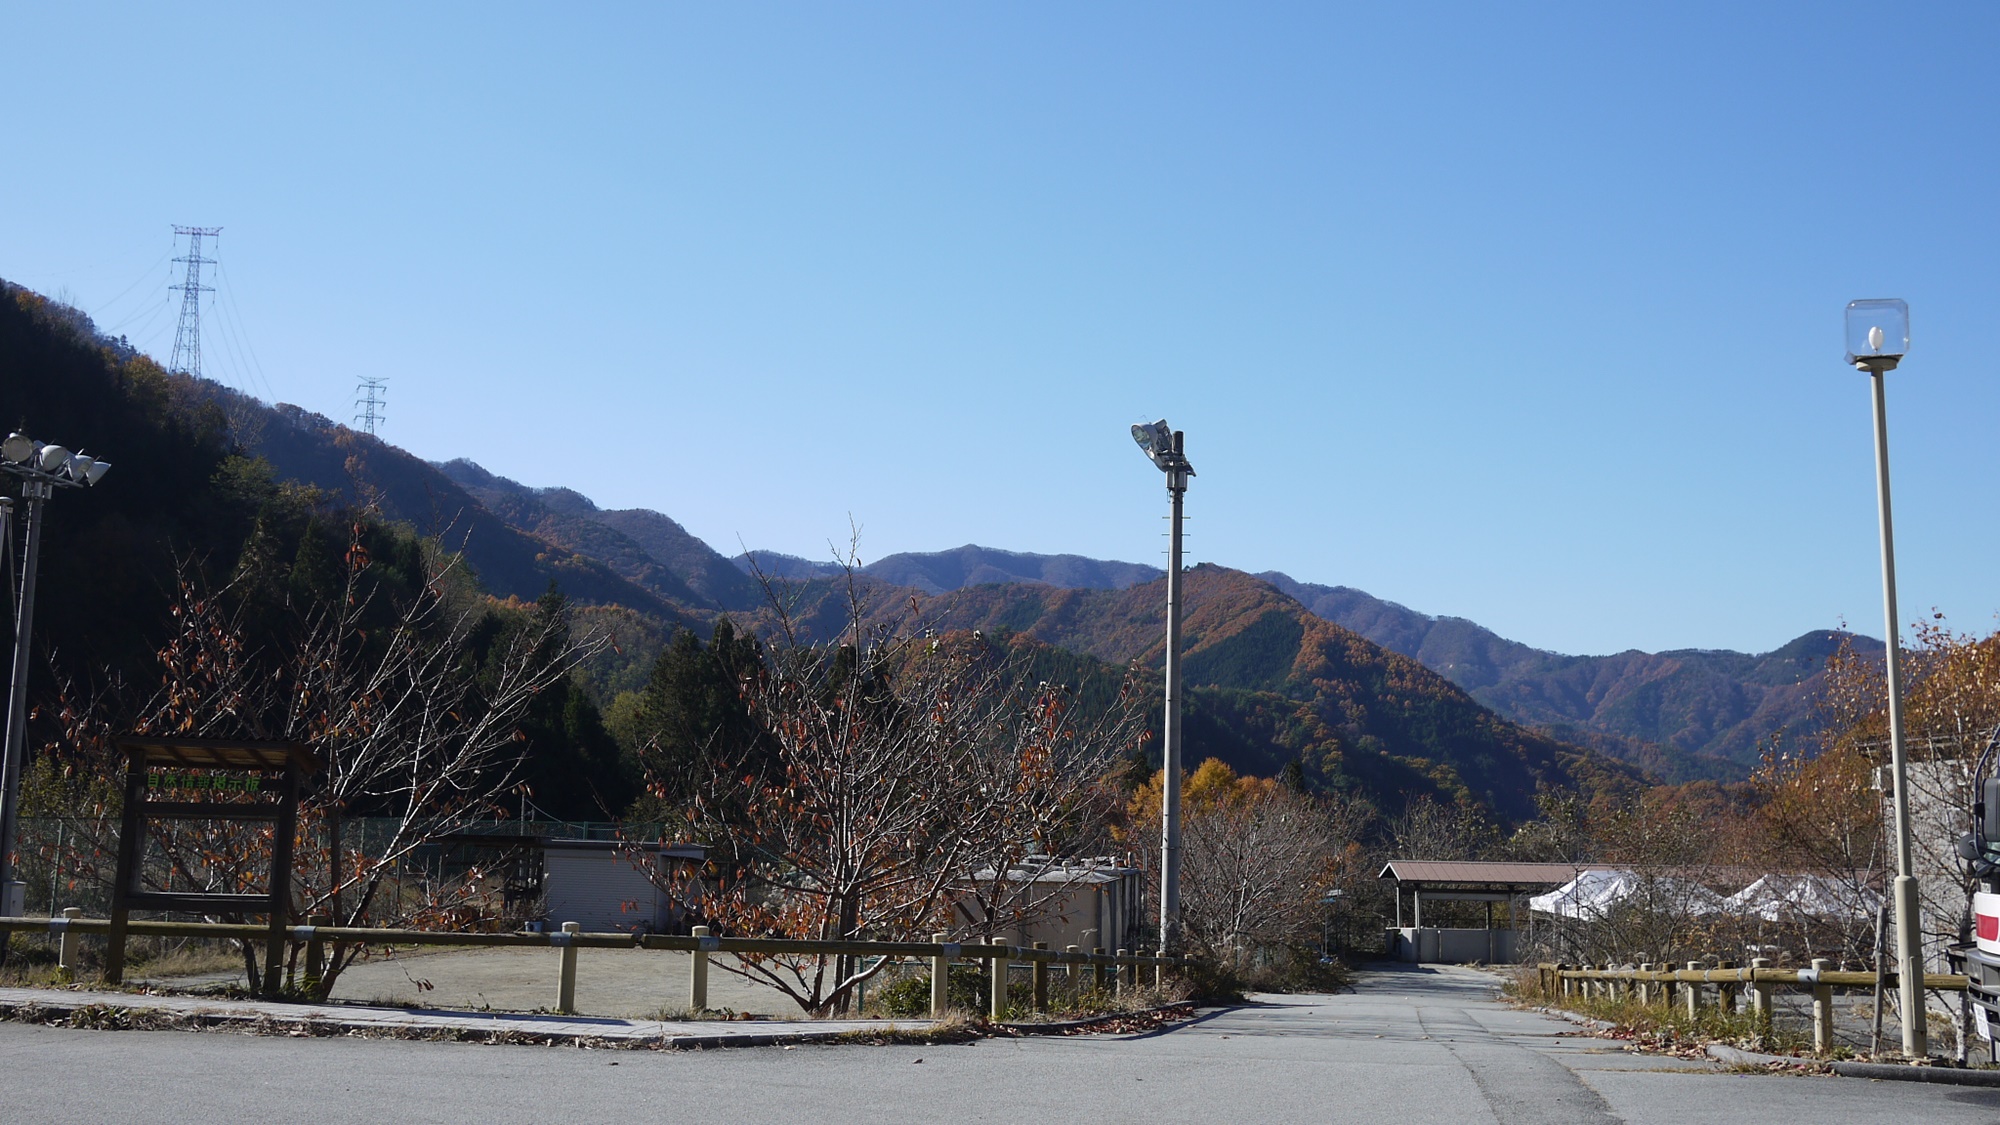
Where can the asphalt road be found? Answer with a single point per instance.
(1408, 1047)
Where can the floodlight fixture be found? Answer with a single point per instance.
(1157, 441)
(96, 471)
(1878, 333)
(52, 458)
(17, 448)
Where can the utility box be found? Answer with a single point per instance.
(610, 886)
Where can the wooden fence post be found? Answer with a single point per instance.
(1118, 969)
(698, 973)
(1822, 995)
(997, 1007)
(566, 983)
(1726, 994)
(1760, 996)
(315, 956)
(1097, 966)
(1693, 991)
(1041, 971)
(940, 980)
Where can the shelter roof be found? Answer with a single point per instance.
(1479, 873)
(221, 753)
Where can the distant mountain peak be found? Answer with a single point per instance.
(939, 572)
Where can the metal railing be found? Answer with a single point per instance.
(1690, 986)
(1115, 971)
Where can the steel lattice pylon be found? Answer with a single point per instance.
(371, 403)
(187, 337)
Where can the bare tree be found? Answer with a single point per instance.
(900, 766)
(412, 705)
(1258, 859)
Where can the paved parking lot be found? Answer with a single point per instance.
(1430, 1045)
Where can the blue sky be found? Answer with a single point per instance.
(1529, 314)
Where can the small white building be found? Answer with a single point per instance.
(610, 886)
(1089, 903)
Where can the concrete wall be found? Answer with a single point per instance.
(1432, 945)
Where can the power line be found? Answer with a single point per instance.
(187, 337)
(371, 403)
(234, 312)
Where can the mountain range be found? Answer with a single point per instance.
(1352, 689)
(1681, 715)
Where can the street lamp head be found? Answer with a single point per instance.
(17, 448)
(95, 472)
(1878, 333)
(53, 457)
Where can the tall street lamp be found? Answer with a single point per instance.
(41, 470)
(1165, 446)
(1878, 335)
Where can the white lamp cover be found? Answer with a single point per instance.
(17, 448)
(53, 457)
(79, 466)
(96, 471)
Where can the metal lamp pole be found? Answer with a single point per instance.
(36, 493)
(41, 469)
(1878, 335)
(1167, 449)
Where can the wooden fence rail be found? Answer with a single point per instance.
(1114, 970)
(1661, 983)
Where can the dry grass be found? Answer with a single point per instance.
(1663, 1026)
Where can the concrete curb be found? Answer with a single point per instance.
(1057, 1027)
(1885, 1072)
(1901, 1072)
(123, 1010)
(1590, 1022)
(1739, 1057)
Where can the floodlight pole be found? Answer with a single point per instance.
(37, 493)
(1909, 933)
(1170, 787)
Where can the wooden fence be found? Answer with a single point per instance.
(1115, 970)
(1693, 985)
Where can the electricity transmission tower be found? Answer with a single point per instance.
(371, 403)
(187, 337)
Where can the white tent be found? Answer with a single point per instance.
(1776, 896)
(1594, 894)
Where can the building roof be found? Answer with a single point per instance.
(1477, 873)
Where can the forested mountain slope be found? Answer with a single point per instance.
(1707, 704)
(1275, 684)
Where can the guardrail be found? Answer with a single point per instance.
(1115, 971)
(1660, 983)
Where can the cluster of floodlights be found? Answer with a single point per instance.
(24, 456)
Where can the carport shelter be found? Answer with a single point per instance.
(1467, 881)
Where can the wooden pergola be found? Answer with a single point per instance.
(239, 769)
